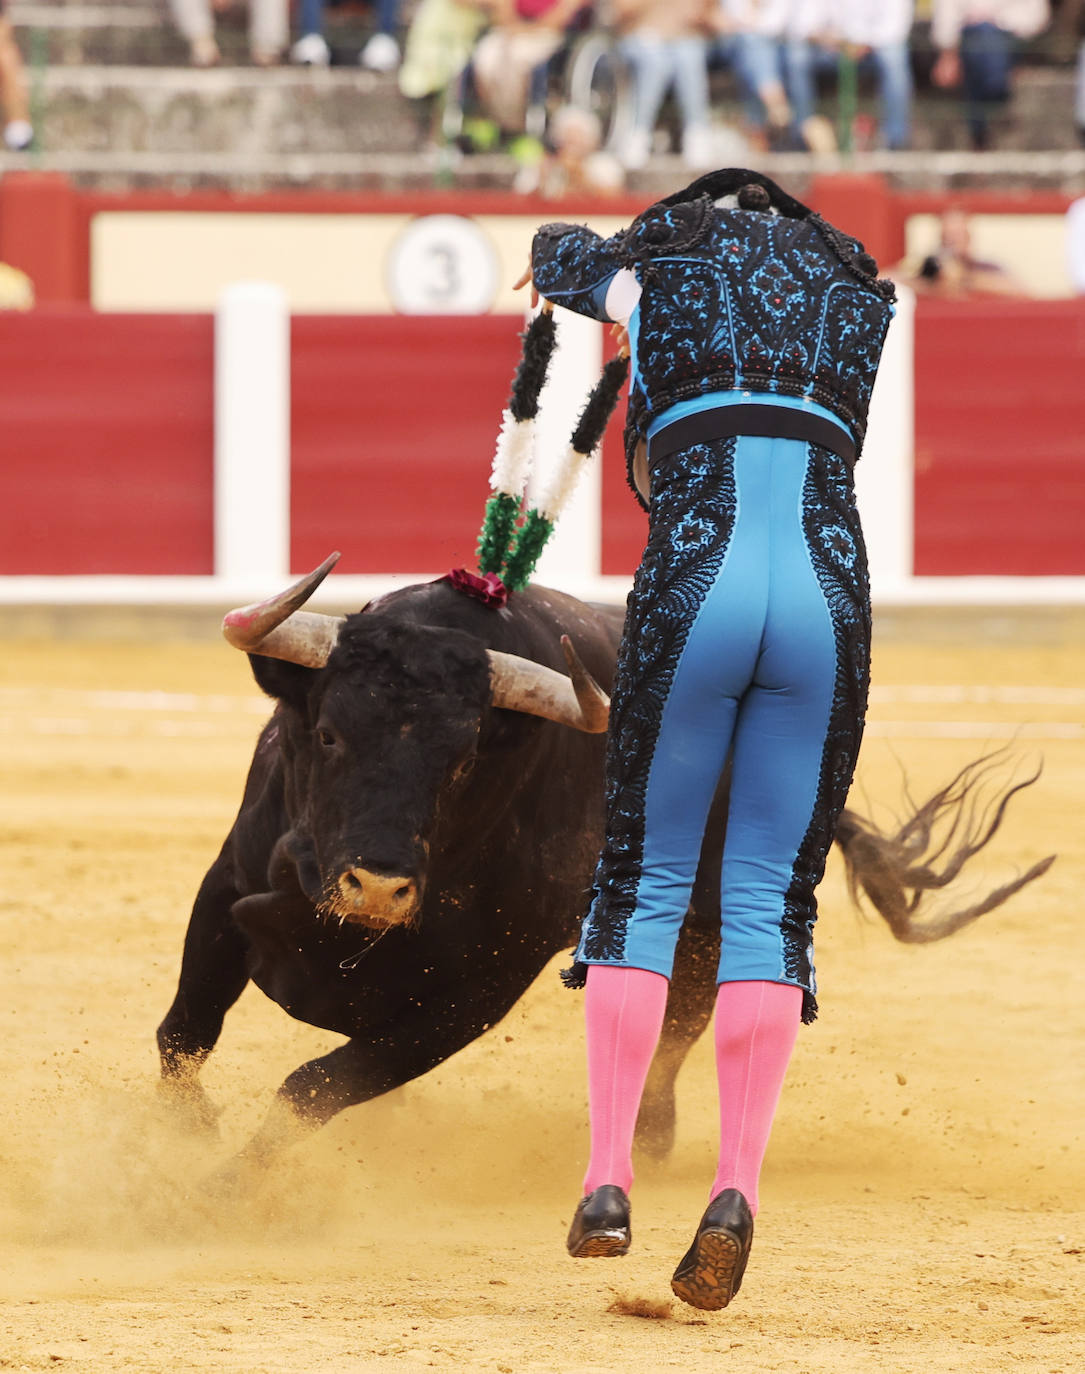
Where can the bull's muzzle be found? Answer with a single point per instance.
(375, 899)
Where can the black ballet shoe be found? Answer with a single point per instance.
(710, 1273)
(600, 1226)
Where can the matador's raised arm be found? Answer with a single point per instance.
(572, 266)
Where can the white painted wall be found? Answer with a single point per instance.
(252, 433)
(884, 473)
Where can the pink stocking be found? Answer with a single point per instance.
(623, 1009)
(756, 1026)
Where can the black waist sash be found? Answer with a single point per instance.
(758, 421)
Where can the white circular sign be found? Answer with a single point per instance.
(443, 265)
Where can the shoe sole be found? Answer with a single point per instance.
(602, 1245)
(709, 1283)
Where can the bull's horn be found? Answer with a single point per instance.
(518, 684)
(276, 627)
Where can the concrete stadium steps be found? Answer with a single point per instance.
(237, 110)
(250, 173)
(1039, 117)
(287, 109)
(124, 170)
(138, 33)
(63, 34)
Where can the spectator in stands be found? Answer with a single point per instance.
(953, 270)
(751, 40)
(665, 44)
(809, 47)
(524, 34)
(575, 160)
(976, 42)
(380, 54)
(440, 39)
(872, 33)
(269, 29)
(18, 133)
(875, 34)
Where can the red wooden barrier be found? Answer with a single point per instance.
(108, 443)
(45, 232)
(394, 422)
(1000, 437)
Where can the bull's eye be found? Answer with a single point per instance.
(326, 738)
(464, 771)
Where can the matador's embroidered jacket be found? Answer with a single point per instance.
(730, 300)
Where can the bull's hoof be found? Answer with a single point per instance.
(600, 1228)
(188, 1108)
(235, 1183)
(710, 1273)
(656, 1128)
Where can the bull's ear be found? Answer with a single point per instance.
(288, 682)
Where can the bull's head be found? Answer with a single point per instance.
(382, 722)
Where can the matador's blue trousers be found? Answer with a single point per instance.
(748, 632)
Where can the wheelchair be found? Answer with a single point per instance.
(587, 72)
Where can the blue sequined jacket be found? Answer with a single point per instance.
(731, 299)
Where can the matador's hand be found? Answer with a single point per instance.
(523, 279)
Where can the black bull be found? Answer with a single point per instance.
(410, 853)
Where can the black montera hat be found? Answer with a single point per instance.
(740, 181)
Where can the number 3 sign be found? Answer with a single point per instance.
(442, 265)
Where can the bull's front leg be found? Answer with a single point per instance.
(366, 1067)
(690, 1002)
(692, 996)
(213, 976)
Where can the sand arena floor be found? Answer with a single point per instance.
(924, 1198)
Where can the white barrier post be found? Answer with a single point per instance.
(252, 433)
(573, 554)
(884, 475)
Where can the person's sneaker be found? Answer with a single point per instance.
(311, 50)
(637, 150)
(479, 135)
(710, 1272)
(698, 146)
(380, 54)
(600, 1226)
(18, 135)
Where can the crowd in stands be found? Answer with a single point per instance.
(269, 23)
(780, 55)
(780, 58)
(269, 28)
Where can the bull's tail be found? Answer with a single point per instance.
(897, 871)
